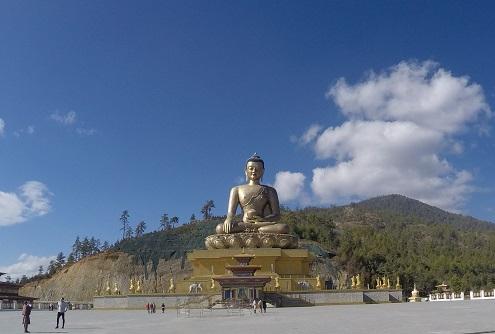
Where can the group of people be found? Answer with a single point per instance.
(259, 304)
(62, 307)
(151, 307)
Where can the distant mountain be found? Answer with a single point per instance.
(414, 210)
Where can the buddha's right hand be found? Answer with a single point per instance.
(227, 225)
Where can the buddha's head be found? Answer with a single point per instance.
(255, 167)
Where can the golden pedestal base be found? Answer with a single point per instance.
(289, 266)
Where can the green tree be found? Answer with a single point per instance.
(165, 222)
(124, 220)
(140, 228)
(60, 261)
(105, 246)
(71, 259)
(192, 219)
(206, 209)
(76, 249)
(174, 221)
(40, 270)
(52, 268)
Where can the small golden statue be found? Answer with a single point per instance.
(388, 283)
(318, 281)
(259, 204)
(212, 284)
(353, 282)
(384, 282)
(171, 286)
(358, 281)
(108, 290)
(277, 283)
(378, 283)
(116, 290)
(138, 287)
(131, 286)
(397, 285)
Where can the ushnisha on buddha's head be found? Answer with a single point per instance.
(255, 168)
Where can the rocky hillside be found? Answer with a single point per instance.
(81, 280)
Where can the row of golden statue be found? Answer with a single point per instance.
(381, 283)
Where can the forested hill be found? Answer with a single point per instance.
(389, 235)
(407, 209)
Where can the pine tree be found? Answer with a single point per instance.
(52, 267)
(140, 228)
(40, 270)
(174, 221)
(124, 219)
(60, 260)
(76, 249)
(164, 222)
(105, 246)
(71, 259)
(206, 209)
(192, 219)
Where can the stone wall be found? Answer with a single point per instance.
(140, 301)
(323, 297)
(326, 297)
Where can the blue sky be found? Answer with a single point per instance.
(154, 107)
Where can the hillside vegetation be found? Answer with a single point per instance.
(389, 235)
(384, 236)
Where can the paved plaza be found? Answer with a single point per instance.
(473, 317)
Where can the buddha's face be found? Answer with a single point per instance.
(254, 170)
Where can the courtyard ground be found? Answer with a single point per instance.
(467, 317)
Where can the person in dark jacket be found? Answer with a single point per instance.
(26, 315)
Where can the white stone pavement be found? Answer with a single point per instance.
(473, 317)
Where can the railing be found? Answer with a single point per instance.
(44, 305)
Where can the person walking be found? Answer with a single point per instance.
(255, 305)
(163, 307)
(61, 309)
(264, 306)
(148, 307)
(26, 315)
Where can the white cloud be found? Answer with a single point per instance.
(65, 119)
(2, 127)
(26, 265)
(289, 186)
(32, 200)
(310, 134)
(400, 125)
(420, 93)
(28, 130)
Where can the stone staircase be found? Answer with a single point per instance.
(281, 300)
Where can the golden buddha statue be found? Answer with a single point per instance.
(259, 204)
